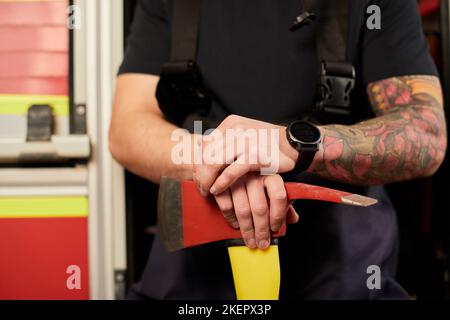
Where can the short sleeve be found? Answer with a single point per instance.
(148, 44)
(400, 48)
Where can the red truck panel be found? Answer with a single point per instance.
(35, 255)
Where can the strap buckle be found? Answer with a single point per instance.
(336, 84)
(181, 91)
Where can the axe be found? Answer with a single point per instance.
(188, 219)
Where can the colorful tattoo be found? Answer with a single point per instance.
(406, 140)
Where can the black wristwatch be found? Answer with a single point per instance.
(306, 139)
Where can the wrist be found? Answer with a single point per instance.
(319, 156)
(305, 139)
(185, 171)
(183, 166)
(286, 148)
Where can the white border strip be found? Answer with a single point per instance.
(101, 39)
(43, 191)
(43, 177)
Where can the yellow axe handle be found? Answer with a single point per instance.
(256, 272)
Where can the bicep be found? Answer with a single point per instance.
(136, 93)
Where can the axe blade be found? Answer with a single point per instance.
(170, 214)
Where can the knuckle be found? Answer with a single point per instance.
(198, 177)
(243, 212)
(229, 175)
(227, 209)
(247, 232)
(262, 233)
(280, 196)
(202, 185)
(260, 210)
(278, 217)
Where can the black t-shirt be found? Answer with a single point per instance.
(257, 68)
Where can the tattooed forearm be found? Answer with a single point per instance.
(407, 140)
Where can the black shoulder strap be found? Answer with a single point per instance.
(338, 29)
(185, 29)
(332, 28)
(356, 23)
(338, 32)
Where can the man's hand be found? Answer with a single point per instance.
(257, 205)
(245, 145)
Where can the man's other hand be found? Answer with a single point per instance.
(258, 205)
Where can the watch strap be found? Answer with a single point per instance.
(304, 161)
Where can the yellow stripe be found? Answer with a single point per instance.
(43, 207)
(19, 104)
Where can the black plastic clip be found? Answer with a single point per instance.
(304, 19)
(336, 84)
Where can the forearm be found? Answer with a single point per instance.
(143, 145)
(139, 136)
(407, 140)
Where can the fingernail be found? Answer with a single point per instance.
(235, 225)
(263, 244)
(203, 192)
(295, 214)
(293, 210)
(275, 228)
(213, 190)
(251, 243)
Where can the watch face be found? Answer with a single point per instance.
(305, 132)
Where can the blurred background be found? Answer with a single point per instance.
(75, 225)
